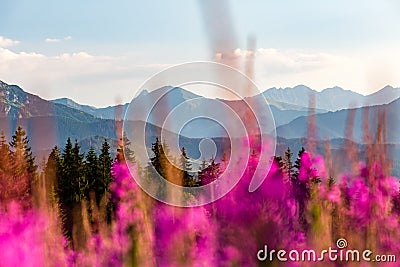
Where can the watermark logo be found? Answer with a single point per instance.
(341, 243)
(340, 253)
(163, 107)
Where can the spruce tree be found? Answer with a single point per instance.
(297, 163)
(288, 165)
(80, 182)
(52, 174)
(65, 188)
(186, 167)
(23, 166)
(105, 168)
(158, 160)
(22, 157)
(105, 165)
(72, 184)
(92, 175)
(124, 150)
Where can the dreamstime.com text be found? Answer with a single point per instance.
(340, 253)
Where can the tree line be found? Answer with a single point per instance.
(71, 177)
(180, 171)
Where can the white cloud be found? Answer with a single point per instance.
(290, 61)
(6, 42)
(57, 40)
(362, 71)
(86, 78)
(99, 80)
(52, 40)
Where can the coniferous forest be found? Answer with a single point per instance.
(84, 209)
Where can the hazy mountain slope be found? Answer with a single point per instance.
(332, 124)
(72, 104)
(331, 99)
(383, 96)
(283, 112)
(15, 103)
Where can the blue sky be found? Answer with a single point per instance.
(99, 52)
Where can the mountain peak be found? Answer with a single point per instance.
(388, 87)
(335, 88)
(340, 92)
(302, 87)
(387, 90)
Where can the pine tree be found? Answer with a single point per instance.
(65, 188)
(92, 175)
(72, 184)
(186, 167)
(80, 182)
(297, 163)
(105, 165)
(124, 152)
(52, 174)
(158, 160)
(22, 157)
(23, 166)
(288, 165)
(105, 169)
(161, 164)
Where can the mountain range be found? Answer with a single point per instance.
(331, 99)
(331, 125)
(50, 123)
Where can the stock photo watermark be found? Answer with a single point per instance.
(339, 253)
(244, 121)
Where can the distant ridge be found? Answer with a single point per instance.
(331, 99)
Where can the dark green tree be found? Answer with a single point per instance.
(186, 167)
(23, 161)
(92, 175)
(124, 150)
(80, 182)
(65, 187)
(105, 165)
(23, 168)
(159, 158)
(297, 163)
(288, 165)
(160, 163)
(72, 184)
(105, 169)
(52, 172)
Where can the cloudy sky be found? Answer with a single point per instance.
(98, 52)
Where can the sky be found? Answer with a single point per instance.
(99, 52)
